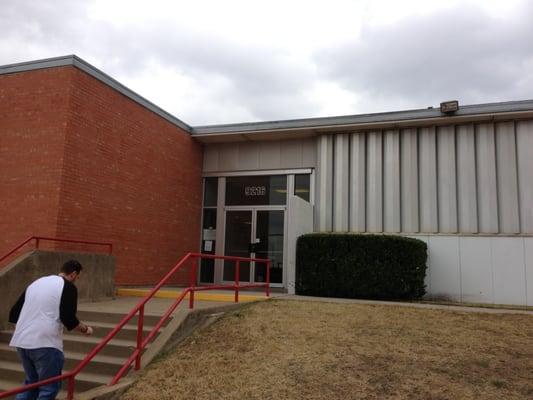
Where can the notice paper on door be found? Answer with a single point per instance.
(208, 245)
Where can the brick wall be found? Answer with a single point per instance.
(33, 114)
(129, 177)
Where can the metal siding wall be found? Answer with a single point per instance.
(524, 145)
(374, 179)
(391, 182)
(466, 179)
(269, 155)
(341, 183)
(507, 178)
(446, 178)
(409, 180)
(487, 196)
(291, 153)
(428, 180)
(250, 156)
(324, 184)
(358, 183)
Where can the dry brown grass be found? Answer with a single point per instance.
(308, 350)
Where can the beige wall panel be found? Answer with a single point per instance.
(357, 182)
(291, 154)
(374, 182)
(524, 145)
(341, 183)
(309, 153)
(487, 195)
(428, 180)
(269, 155)
(248, 156)
(210, 158)
(466, 179)
(446, 178)
(409, 180)
(507, 178)
(228, 157)
(391, 181)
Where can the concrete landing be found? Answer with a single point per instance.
(223, 296)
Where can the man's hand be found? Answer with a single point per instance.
(85, 329)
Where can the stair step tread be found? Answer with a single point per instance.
(83, 376)
(73, 355)
(96, 340)
(111, 325)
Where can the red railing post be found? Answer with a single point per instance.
(70, 388)
(267, 288)
(37, 243)
(140, 322)
(193, 283)
(237, 277)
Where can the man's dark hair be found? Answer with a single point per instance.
(71, 266)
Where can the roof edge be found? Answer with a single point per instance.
(84, 66)
(382, 117)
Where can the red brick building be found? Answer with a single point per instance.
(81, 156)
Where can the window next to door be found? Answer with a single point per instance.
(209, 229)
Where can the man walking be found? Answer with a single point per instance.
(40, 313)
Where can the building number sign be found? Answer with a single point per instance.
(254, 190)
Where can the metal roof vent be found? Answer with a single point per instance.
(449, 107)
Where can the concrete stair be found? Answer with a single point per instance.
(101, 369)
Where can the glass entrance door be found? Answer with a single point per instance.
(255, 233)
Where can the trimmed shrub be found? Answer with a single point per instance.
(360, 266)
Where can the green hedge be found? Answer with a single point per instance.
(360, 266)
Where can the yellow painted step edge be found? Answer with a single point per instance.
(172, 294)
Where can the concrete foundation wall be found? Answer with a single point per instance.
(95, 282)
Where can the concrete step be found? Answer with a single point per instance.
(78, 343)
(128, 332)
(13, 372)
(106, 365)
(85, 315)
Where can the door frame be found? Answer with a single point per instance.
(254, 210)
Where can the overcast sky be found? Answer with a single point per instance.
(211, 62)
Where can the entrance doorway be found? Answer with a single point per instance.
(255, 233)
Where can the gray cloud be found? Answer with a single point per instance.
(416, 62)
(459, 54)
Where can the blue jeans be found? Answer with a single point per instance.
(40, 364)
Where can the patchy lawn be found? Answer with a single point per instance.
(284, 349)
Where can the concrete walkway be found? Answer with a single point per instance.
(449, 307)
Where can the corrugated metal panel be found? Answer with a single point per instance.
(428, 180)
(524, 145)
(324, 184)
(391, 182)
(358, 183)
(341, 183)
(446, 180)
(466, 179)
(409, 180)
(507, 178)
(487, 195)
(374, 182)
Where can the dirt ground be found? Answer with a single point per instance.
(284, 349)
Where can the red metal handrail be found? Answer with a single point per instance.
(139, 308)
(38, 240)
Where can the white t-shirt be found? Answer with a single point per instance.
(39, 324)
